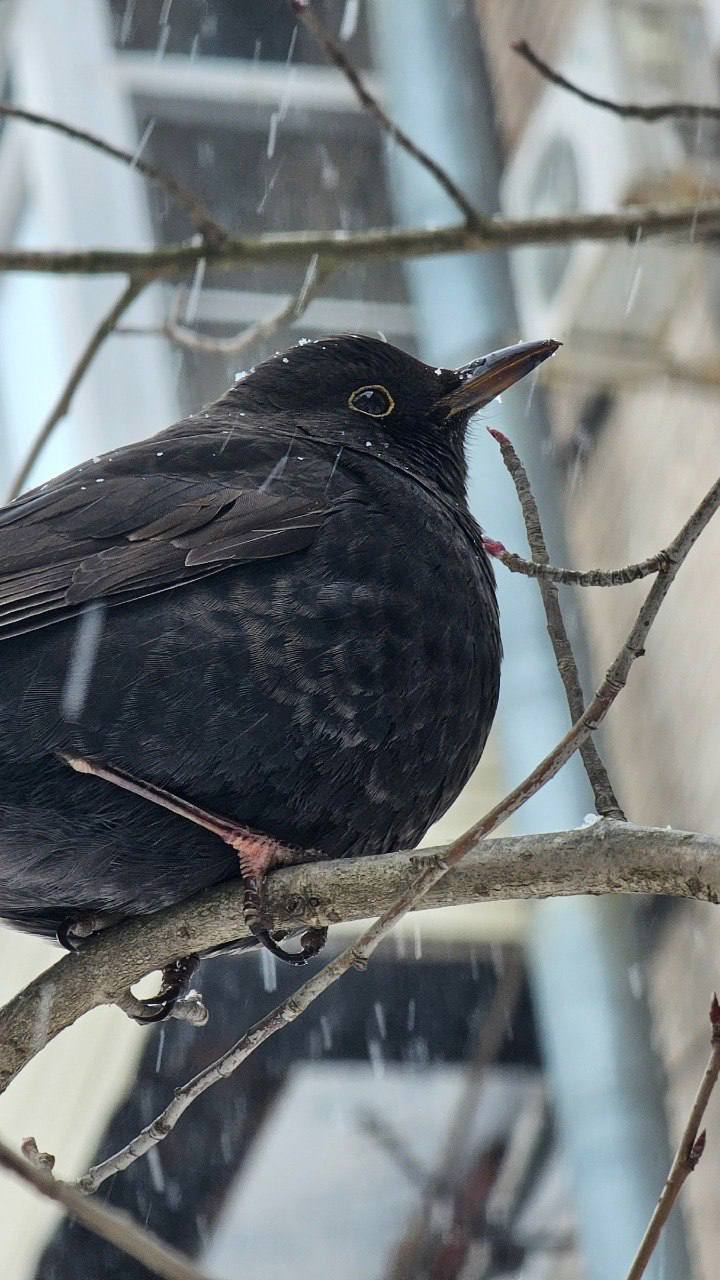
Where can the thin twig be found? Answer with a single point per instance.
(406, 1262)
(436, 867)
(574, 577)
(488, 1043)
(106, 326)
(606, 802)
(378, 243)
(200, 216)
(688, 1154)
(628, 110)
(315, 276)
(337, 55)
(382, 1132)
(112, 1225)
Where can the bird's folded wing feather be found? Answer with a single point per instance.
(133, 536)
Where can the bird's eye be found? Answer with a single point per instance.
(375, 401)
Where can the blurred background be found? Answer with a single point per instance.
(498, 1094)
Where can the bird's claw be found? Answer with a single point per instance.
(312, 941)
(175, 985)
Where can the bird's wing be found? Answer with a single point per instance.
(131, 536)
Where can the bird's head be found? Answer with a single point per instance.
(370, 396)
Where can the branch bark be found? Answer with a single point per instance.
(434, 871)
(337, 247)
(111, 1224)
(575, 577)
(607, 857)
(315, 277)
(688, 1154)
(628, 110)
(339, 58)
(606, 802)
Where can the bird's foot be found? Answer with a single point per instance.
(175, 986)
(257, 854)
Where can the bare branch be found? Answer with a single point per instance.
(628, 110)
(379, 243)
(315, 276)
(606, 801)
(607, 857)
(62, 405)
(337, 55)
(688, 1154)
(411, 1251)
(200, 216)
(575, 577)
(488, 1043)
(614, 681)
(111, 1224)
(395, 1147)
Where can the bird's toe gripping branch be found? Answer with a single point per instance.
(257, 854)
(175, 985)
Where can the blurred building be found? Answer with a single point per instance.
(237, 101)
(634, 405)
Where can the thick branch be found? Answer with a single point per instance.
(605, 799)
(379, 243)
(607, 857)
(629, 110)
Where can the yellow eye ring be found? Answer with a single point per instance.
(368, 393)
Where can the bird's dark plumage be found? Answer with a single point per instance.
(279, 608)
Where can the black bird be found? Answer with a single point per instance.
(275, 618)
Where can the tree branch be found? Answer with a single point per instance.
(394, 1146)
(575, 577)
(337, 247)
(605, 799)
(688, 1154)
(629, 110)
(485, 876)
(337, 55)
(111, 1224)
(315, 277)
(200, 216)
(410, 1252)
(106, 326)
(606, 857)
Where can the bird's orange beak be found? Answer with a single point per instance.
(484, 379)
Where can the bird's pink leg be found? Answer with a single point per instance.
(256, 853)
